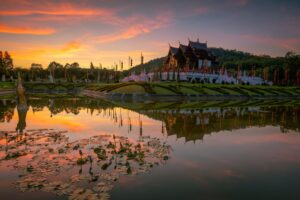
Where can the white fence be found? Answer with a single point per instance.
(195, 77)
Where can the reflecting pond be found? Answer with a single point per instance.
(84, 148)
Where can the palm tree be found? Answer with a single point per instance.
(292, 66)
(36, 70)
(74, 71)
(51, 67)
(66, 67)
(6, 64)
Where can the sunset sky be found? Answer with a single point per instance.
(106, 31)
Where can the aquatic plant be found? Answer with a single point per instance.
(81, 161)
(50, 155)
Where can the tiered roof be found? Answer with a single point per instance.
(174, 50)
(183, 48)
(194, 49)
(198, 45)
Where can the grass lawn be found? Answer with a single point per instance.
(162, 90)
(188, 90)
(171, 88)
(7, 85)
(129, 89)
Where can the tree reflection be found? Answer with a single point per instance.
(180, 119)
(195, 124)
(22, 106)
(6, 110)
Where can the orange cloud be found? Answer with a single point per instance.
(67, 11)
(131, 32)
(62, 12)
(25, 30)
(51, 8)
(137, 29)
(72, 46)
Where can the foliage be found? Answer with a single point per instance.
(173, 88)
(81, 161)
(13, 155)
(6, 63)
(7, 85)
(152, 65)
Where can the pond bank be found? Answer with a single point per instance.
(7, 88)
(7, 91)
(170, 91)
(179, 97)
(164, 92)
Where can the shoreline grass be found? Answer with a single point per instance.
(167, 88)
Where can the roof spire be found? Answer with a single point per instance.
(198, 40)
(142, 58)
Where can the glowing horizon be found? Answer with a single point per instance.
(107, 32)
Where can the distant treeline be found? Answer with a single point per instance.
(59, 72)
(281, 70)
(234, 58)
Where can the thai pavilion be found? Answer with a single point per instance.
(193, 63)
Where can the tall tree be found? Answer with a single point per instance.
(36, 70)
(6, 64)
(66, 68)
(55, 68)
(74, 71)
(8, 61)
(92, 66)
(51, 69)
(2, 66)
(292, 66)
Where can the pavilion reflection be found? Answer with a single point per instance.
(195, 124)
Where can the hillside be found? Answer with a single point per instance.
(149, 66)
(233, 58)
(230, 59)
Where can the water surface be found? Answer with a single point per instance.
(219, 150)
